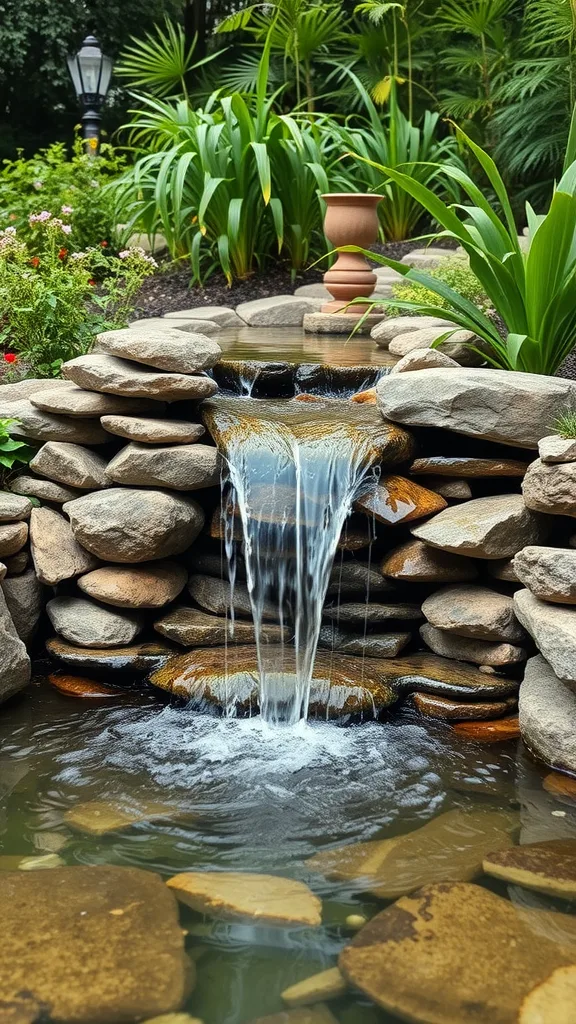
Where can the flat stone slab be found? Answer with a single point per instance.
(153, 431)
(214, 597)
(457, 345)
(277, 310)
(35, 425)
(138, 659)
(186, 467)
(370, 645)
(260, 899)
(494, 527)
(553, 630)
(191, 627)
(125, 524)
(479, 652)
(357, 578)
(146, 586)
(44, 490)
(550, 573)
(14, 507)
(105, 946)
(551, 1002)
(172, 323)
(74, 401)
(327, 984)
(224, 316)
(15, 669)
(114, 376)
(99, 817)
(502, 730)
(71, 464)
(449, 848)
(547, 711)
(88, 624)
(313, 291)
(475, 612)
(443, 677)
(451, 488)
(449, 466)
(22, 389)
(416, 562)
(395, 499)
(175, 351)
(456, 947)
(372, 613)
(557, 449)
(548, 867)
(551, 488)
(339, 323)
(390, 327)
(56, 553)
(430, 256)
(460, 711)
(423, 359)
(513, 408)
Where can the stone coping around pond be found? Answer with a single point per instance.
(474, 544)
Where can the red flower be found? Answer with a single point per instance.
(62, 254)
(10, 357)
(35, 261)
(104, 245)
(92, 282)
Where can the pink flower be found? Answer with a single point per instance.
(67, 209)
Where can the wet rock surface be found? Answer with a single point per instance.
(125, 524)
(398, 500)
(371, 645)
(191, 627)
(372, 613)
(462, 467)
(548, 867)
(265, 899)
(416, 562)
(449, 848)
(137, 659)
(453, 952)
(459, 711)
(105, 946)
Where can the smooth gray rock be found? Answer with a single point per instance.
(557, 449)
(475, 612)
(119, 377)
(372, 613)
(153, 431)
(550, 573)
(15, 564)
(35, 425)
(493, 527)
(14, 507)
(338, 323)
(455, 489)
(15, 669)
(479, 652)
(44, 490)
(71, 464)
(547, 712)
(357, 577)
(456, 346)
(22, 389)
(175, 351)
(224, 316)
(214, 596)
(75, 401)
(313, 291)
(277, 310)
(187, 467)
(389, 328)
(369, 645)
(56, 553)
(553, 630)
(152, 585)
(551, 488)
(88, 624)
(13, 537)
(430, 256)
(513, 408)
(422, 359)
(173, 323)
(24, 596)
(191, 627)
(126, 525)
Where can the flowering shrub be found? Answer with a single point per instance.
(51, 305)
(74, 187)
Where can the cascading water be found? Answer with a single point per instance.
(293, 470)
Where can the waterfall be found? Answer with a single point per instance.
(292, 472)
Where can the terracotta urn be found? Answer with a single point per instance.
(351, 219)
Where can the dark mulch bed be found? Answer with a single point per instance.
(169, 290)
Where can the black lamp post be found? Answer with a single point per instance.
(91, 71)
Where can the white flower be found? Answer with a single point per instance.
(66, 209)
(38, 184)
(39, 218)
(66, 228)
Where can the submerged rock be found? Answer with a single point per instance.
(453, 952)
(500, 731)
(548, 867)
(458, 711)
(97, 817)
(449, 848)
(76, 686)
(126, 524)
(208, 679)
(259, 899)
(91, 944)
(553, 1001)
(398, 500)
(329, 984)
(318, 1014)
(137, 659)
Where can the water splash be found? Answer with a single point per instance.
(293, 470)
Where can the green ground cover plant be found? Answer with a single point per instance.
(454, 272)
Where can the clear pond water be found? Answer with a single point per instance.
(243, 797)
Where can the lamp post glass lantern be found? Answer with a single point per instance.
(91, 72)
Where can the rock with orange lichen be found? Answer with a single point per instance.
(398, 500)
(262, 899)
(459, 711)
(77, 686)
(548, 867)
(416, 562)
(499, 731)
(560, 785)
